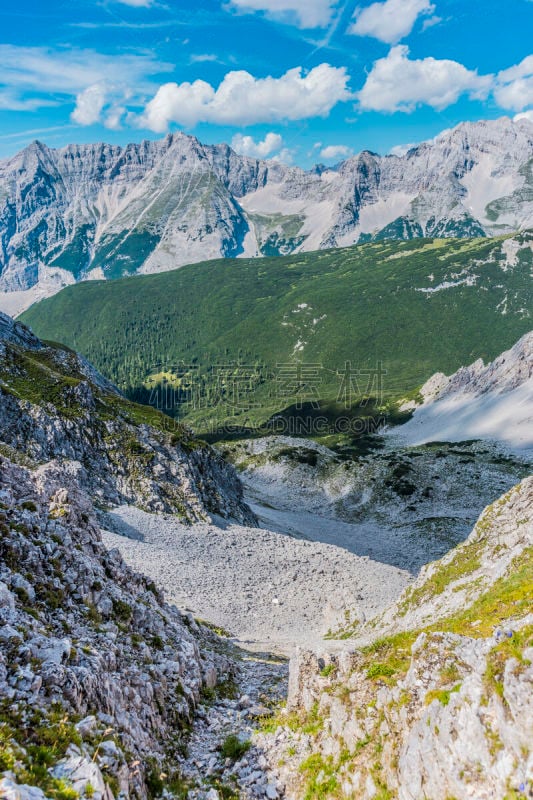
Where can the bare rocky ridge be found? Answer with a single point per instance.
(508, 371)
(95, 211)
(109, 692)
(55, 406)
(493, 401)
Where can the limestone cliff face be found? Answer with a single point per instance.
(55, 406)
(434, 698)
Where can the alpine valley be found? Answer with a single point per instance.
(199, 601)
(94, 211)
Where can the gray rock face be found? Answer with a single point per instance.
(507, 372)
(16, 333)
(94, 642)
(57, 407)
(432, 699)
(490, 402)
(94, 211)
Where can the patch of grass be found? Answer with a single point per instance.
(379, 670)
(45, 736)
(509, 597)
(320, 777)
(232, 747)
(227, 689)
(122, 611)
(442, 695)
(37, 377)
(218, 629)
(388, 658)
(510, 647)
(227, 791)
(465, 561)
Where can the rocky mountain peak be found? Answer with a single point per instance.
(17, 333)
(102, 210)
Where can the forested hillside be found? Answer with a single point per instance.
(243, 339)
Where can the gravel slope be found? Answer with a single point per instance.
(268, 589)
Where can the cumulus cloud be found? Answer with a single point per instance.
(285, 156)
(242, 99)
(391, 20)
(524, 115)
(397, 83)
(401, 149)
(114, 116)
(89, 105)
(247, 146)
(335, 151)
(303, 13)
(514, 86)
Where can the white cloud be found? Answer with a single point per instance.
(12, 101)
(335, 151)
(285, 156)
(396, 83)
(401, 149)
(391, 20)
(304, 13)
(247, 146)
(202, 58)
(137, 3)
(514, 86)
(29, 75)
(114, 116)
(71, 70)
(242, 99)
(524, 115)
(89, 105)
(430, 22)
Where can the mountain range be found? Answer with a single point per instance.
(104, 211)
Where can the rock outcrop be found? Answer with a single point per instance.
(493, 401)
(99, 678)
(508, 371)
(54, 406)
(434, 698)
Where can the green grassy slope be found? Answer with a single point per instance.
(362, 305)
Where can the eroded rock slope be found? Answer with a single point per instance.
(55, 406)
(432, 699)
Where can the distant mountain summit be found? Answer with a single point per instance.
(95, 211)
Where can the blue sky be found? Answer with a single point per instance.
(302, 80)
